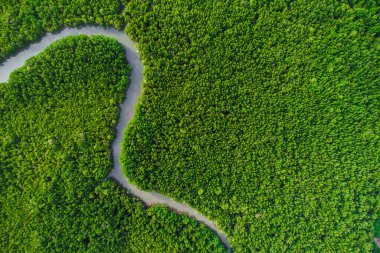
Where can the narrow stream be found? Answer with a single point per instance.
(127, 112)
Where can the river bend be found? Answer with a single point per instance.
(127, 112)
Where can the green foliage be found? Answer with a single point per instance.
(377, 234)
(57, 122)
(23, 21)
(264, 116)
(377, 228)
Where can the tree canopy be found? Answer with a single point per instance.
(58, 116)
(263, 115)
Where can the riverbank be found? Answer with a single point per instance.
(127, 112)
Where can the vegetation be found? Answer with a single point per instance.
(263, 115)
(23, 21)
(58, 115)
(377, 234)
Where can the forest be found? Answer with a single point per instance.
(58, 115)
(262, 115)
(23, 21)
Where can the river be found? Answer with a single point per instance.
(127, 112)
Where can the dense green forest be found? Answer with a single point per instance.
(263, 115)
(58, 115)
(23, 21)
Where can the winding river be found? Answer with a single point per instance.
(127, 112)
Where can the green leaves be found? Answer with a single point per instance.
(272, 102)
(58, 118)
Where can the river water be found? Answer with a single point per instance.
(127, 112)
